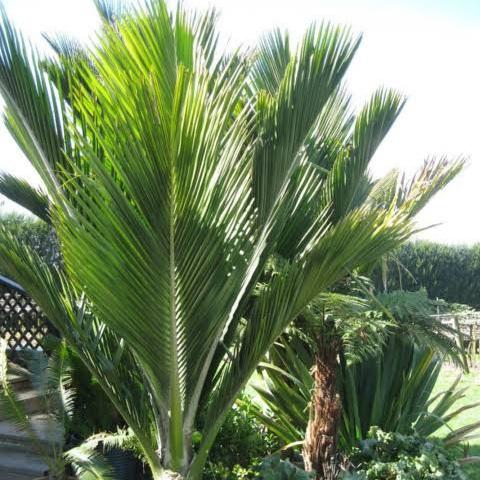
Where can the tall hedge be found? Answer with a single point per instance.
(450, 272)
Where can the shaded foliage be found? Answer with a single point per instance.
(241, 444)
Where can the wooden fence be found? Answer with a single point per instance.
(22, 323)
(468, 327)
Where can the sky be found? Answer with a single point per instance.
(426, 49)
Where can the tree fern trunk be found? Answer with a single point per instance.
(325, 409)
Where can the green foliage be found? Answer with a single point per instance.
(285, 389)
(175, 172)
(240, 445)
(414, 312)
(218, 471)
(391, 389)
(38, 235)
(274, 468)
(22, 193)
(92, 410)
(448, 272)
(393, 456)
(394, 392)
(350, 321)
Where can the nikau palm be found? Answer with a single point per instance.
(172, 174)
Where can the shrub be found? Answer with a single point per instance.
(273, 468)
(241, 444)
(393, 456)
(39, 236)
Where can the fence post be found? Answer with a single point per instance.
(460, 343)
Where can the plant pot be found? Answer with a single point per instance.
(46, 478)
(124, 464)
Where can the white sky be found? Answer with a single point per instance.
(427, 49)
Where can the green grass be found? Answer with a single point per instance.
(472, 395)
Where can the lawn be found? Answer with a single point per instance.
(472, 395)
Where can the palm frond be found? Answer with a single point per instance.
(111, 10)
(346, 192)
(103, 352)
(88, 464)
(432, 177)
(272, 59)
(175, 173)
(33, 112)
(21, 192)
(285, 120)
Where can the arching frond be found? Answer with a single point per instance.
(21, 192)
(176, 175)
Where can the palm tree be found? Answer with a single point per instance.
(173, 173)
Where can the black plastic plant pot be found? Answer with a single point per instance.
(124, 464)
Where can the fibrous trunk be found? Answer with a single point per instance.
(325, 409)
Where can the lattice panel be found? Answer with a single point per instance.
(22, 323)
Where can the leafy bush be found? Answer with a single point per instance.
(93, 411)
(241, 444)
(38, 235)
(393, 456)
(274, 468)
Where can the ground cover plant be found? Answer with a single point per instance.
(384, 456)
(201, 200)
(241, 444)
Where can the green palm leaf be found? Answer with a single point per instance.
(176, 175)
(30, 198)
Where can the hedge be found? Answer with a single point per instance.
(449, 272)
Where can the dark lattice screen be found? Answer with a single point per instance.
(22, 323)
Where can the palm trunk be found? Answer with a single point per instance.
(325, 409)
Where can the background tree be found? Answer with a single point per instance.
(38, 235)
(176, 175)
